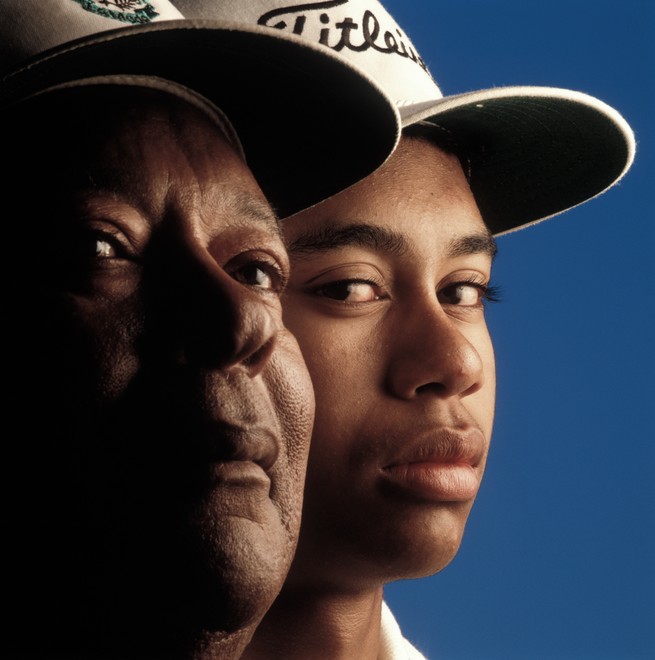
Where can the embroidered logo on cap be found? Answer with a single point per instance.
(360, 36)
(126, 11)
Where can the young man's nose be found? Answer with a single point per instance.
(216, 322)
(430, 354)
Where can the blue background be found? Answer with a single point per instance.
(558, 559)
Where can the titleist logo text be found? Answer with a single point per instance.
(367, 32)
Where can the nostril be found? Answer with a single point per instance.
(258, 358)
(436, 388)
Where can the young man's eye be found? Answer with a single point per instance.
(467, 294)
(351, 291)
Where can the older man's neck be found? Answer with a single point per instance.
(220, 646)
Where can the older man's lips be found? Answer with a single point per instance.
(234, 445)
(239, 458)
(239, 474)
(440, 468)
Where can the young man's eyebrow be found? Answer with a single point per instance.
(479, 243)
(360, 235)
(384, 240)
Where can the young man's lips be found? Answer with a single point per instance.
(440, 468)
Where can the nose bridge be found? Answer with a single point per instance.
(221, 323)
(432, 354)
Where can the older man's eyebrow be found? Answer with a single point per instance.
(361, 235)
(478, 243)
(258, 210)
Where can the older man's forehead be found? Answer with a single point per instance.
(218, 186)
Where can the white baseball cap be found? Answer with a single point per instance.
(310, 123)
(530, 152)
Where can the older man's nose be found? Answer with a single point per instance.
(217, 322)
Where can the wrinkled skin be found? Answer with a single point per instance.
(164, 410)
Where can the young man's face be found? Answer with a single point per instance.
(174, 407)
(387, 301)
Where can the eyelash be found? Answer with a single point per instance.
(493, 294)
(490, 292)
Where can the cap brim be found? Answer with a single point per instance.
(532, 152)
(310, 124)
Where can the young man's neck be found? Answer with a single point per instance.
(308, 624)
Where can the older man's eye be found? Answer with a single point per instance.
(103, 249)
(351, 291)
(92, 245)
(259, 274)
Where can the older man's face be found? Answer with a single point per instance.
(171, 411)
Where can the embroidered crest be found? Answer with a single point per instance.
(125, 11)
